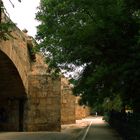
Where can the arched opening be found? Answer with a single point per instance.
(12, 96)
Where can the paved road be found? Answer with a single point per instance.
(35, 136)
(91, 128)
(99, 130)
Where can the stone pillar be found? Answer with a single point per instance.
(67, 103)
(43, 105)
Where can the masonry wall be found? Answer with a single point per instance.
(41, 110)
(81, 111)
(43, 105)
(16, 49)
(44, 99)
(67, 103)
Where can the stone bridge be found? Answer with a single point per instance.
(31, 99)
(29, 96)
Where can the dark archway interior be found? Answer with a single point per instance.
(12, 96)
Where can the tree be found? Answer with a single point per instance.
(101, 35)
(12, 2)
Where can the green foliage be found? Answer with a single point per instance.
(114, 104)
(103, 35)
(5, 24)
(5, 30)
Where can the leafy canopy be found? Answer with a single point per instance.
(102, 35)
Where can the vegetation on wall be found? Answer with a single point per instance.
(5, 23)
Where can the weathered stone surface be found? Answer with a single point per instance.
(25, 82)
(16, 50)
(81, 111)
(67, 103)
(70, 108)
(43, 104)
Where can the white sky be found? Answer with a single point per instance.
(23, 14)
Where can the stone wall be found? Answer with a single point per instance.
(41, 111)
(16, 50)
(81, 111)
(44, 100)
(70, 108)
(67, 103)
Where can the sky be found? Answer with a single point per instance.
(23, 14)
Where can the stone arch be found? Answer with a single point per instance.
(12, 96)
(25, 72)
(17, 51)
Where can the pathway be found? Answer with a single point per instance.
(98, 129)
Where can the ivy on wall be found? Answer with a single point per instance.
(5, 23)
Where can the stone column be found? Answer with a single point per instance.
(67, 102)
(44, 102)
